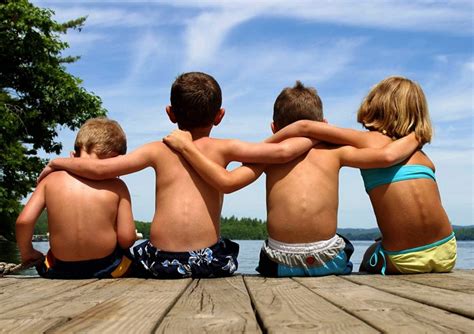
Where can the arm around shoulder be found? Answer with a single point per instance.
(386, 156)
(323, 132)
(101, 169)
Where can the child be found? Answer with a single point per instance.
(417, 236)
(302, 195)
(185, 232)
(90, 223)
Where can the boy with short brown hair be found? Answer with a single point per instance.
(185, 232)
(90, 223)
(302, 194)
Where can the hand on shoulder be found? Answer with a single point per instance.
(178, 140)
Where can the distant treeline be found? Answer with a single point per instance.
(256, 229)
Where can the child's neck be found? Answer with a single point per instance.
(198, 133)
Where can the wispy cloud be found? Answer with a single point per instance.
(450, 95)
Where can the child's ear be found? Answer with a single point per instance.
(170, 113)
(325, 120)
(72, 154)
(274, 127)
(220, 114)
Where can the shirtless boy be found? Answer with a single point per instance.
(185, 232)
(90, 223)
(302, 195)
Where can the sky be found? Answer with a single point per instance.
(131, 52)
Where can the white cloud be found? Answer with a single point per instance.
(106, 17)
(82, 40)
(205, 34)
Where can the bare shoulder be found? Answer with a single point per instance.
(208, 144)
(58, 176)
(376, 139)
(118, 185)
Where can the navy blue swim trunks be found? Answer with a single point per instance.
(115, 265)
(219, 260)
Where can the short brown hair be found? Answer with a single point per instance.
(195, 100)
(297, 103)
(397, 106)
(102, 136)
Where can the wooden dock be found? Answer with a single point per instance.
(428, 303)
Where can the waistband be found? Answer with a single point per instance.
(52, 261)
(303, 248)
(379, 250)
(421, 248)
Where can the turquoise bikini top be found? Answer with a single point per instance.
(377, 176)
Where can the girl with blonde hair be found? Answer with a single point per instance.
(417, 236)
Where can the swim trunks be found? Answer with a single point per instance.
(327, 257)
(219, 260)
(113, 266)
(437, 257)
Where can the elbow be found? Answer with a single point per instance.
(285, 153)
(227, 186)
(304, 127)
(389, 159)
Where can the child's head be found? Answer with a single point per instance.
(396, 106)
(196, 99)
(297, 103)
(101, 136)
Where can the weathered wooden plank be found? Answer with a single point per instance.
(219, 305)
(452, 301)
(285, 306)
(25, 292)
(132, 305)
(50, 309)
(384, 311)
(4, 281)
(443, 281)
(463, 273)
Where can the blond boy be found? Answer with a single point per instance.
(302, 195)
(90, 223)
(185, 232)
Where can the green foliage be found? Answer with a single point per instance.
(243, 228)
(464, 232)
(143, 228)
(37, 97)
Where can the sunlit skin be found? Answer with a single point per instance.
(302, 195)
(187, 209)
(405, 210)
(86, 218)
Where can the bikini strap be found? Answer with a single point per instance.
(374, 259)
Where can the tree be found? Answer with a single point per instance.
(37, 97)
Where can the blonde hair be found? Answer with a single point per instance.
(102, 136)
(397, 106)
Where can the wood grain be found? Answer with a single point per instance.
(384, 311)
(218, 305)
(285, 306)
(449, 300)
(132, 305)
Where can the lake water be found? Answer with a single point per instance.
(249, 253)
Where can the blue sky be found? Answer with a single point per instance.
(133, 50)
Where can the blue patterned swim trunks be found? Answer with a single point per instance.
(219, 260)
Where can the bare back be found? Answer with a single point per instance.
(409, 213)
(302, 197)
(82, 216)
(187, 212)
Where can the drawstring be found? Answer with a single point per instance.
(374, 259)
